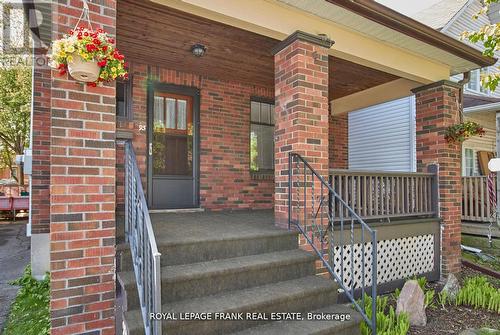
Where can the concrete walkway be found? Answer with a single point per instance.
(14, 256)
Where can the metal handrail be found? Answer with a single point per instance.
(315, 213)
(140, 236)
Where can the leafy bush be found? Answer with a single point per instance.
(29, 314)
(477, 292)
(442, 298)
(388, 323)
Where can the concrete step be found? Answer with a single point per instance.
(312, 327)
(298, 295)
(207, 278)
(211, 247)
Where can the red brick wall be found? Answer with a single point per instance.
(40, 178)
(437, 108)
(225, 180)
(82, 192)
(338, 141)
(301, 114)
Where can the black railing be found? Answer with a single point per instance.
(328, 224)
(140, 236)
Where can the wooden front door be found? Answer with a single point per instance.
(173, 147)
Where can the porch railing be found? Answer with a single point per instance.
(377, 195)
(313, 206)
(140, 236)
(476, 202)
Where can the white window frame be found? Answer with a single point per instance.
(464, 162)
(476, 80)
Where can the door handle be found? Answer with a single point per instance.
(151, 148)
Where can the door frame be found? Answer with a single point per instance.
(194, 93)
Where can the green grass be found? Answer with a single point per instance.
(29, 313)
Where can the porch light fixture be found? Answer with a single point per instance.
(198, 49)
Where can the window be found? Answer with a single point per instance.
(261, 136)
(469, 162)
(474, 83)
(123, 98)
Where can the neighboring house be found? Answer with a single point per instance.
(147, 183)
(371, 150)
(479, 105)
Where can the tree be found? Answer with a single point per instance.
(15, 112)
(489, 36)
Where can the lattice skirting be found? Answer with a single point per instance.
(396, 259)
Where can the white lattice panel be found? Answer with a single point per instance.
(396, 259)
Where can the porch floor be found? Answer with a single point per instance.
(192, 227)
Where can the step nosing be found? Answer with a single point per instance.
(232, 267)
(317, 287)
(161, 243)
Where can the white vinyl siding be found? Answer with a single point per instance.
(464, 22)
(382, 137)
(476, 143)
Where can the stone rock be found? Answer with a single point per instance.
(451, 287)
(411, 301)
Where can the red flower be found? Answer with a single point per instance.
(62, 72)
(96, 41)
(91, 84)
(102, 63)
(91, 47)
(71, 32)
(85, 34)
(110, 40)
(104, 48)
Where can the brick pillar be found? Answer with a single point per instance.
(82, 187)
(40, 178)
(338, 141)
(437, 108)
(301, 113)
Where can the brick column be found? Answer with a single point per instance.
(82, 187)
(40, 177)
(338, 141)
(437, 108)
(301, 113)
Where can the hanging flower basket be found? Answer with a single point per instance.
(460, 132)
(88, 56)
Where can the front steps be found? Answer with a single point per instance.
(230, 263)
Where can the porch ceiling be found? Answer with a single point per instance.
(158, 35)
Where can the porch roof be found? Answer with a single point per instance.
(364, 31)
(380, 22)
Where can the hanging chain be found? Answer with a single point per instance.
(84, 15)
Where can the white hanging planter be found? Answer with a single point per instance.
(82, 70)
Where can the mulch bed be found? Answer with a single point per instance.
(455, 319)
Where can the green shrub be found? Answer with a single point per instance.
(29, 314)
(429, 298)
(388, 323)
(477, 292)
(442, 298)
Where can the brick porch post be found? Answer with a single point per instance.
(437, 107)
(338, 141)
(82, 191)
(301, 112)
